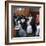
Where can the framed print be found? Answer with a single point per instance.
(24, 22)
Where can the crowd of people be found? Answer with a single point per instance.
(25, 24)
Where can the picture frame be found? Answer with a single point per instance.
(10, 9)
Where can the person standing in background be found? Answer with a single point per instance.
(38, 25)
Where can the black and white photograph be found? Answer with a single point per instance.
(25, 22)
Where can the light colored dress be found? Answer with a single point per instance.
(29, 29)
(22, 33)
(38, 30)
